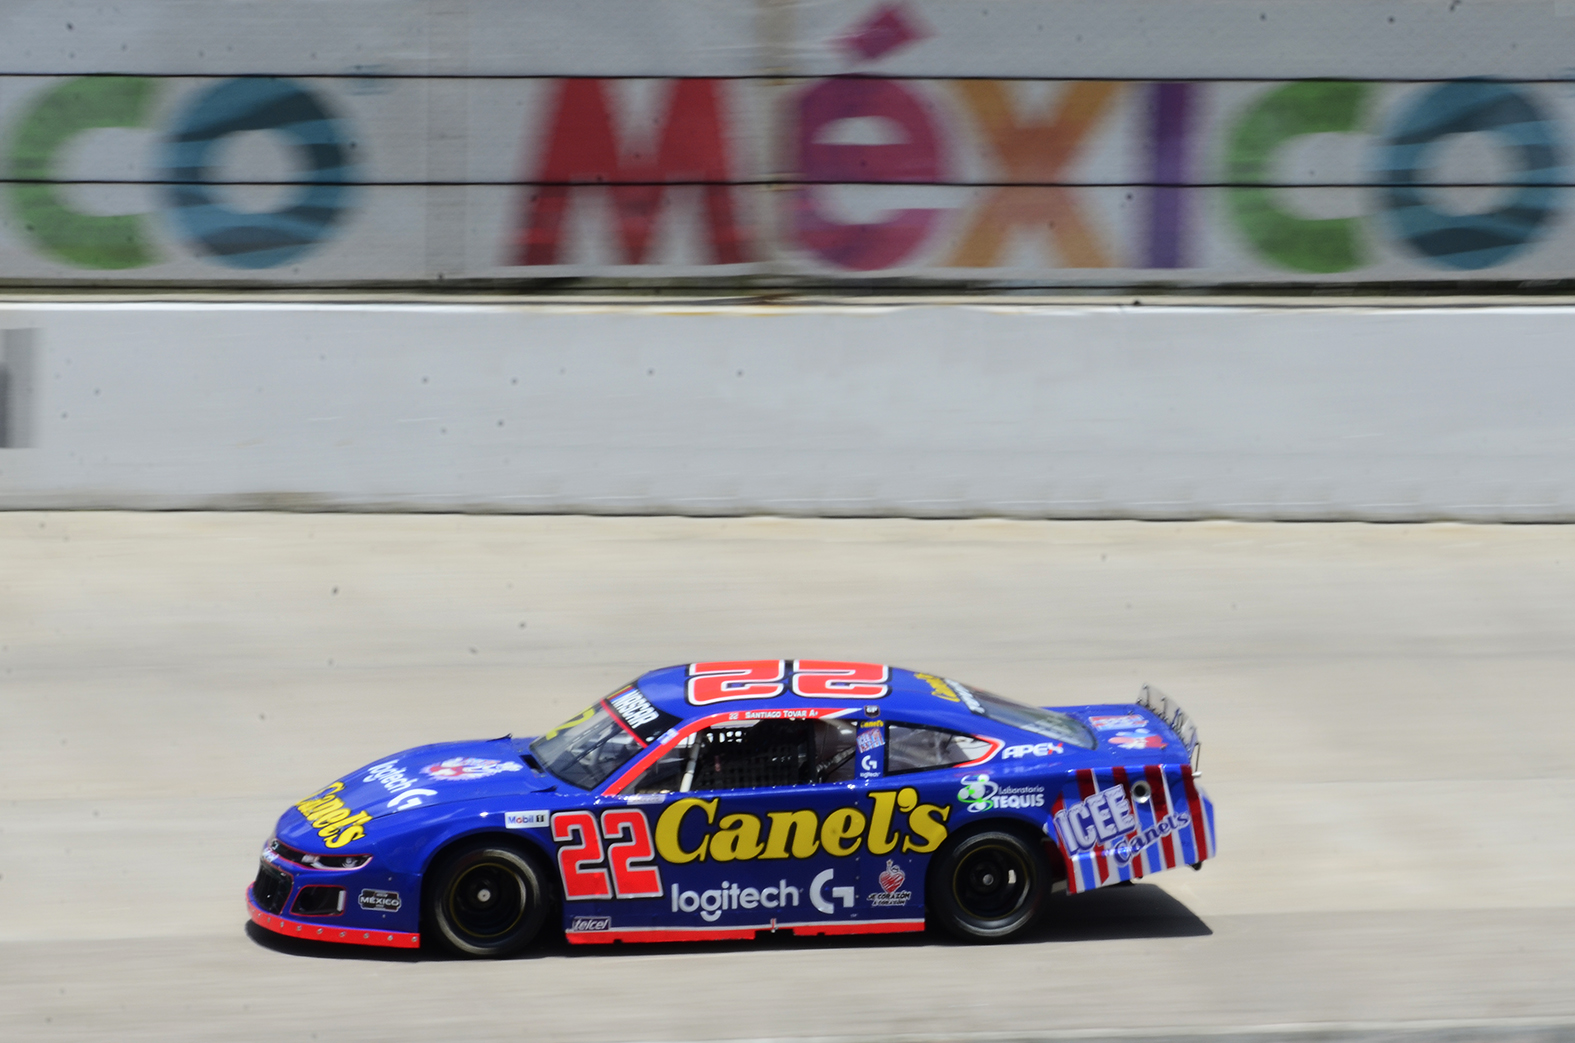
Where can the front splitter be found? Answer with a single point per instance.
(321, 932)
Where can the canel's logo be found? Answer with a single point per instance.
(191, 196)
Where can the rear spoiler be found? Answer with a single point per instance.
(1166, 709)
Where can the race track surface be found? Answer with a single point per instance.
(1386, 714)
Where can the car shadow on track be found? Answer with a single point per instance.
(1127, 911)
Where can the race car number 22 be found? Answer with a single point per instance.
(583, 860)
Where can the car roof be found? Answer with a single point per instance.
(910, 694)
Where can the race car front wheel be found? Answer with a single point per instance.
(485, 899)
(988, 886)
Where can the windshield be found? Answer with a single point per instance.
(587, 748)
(1036, 719)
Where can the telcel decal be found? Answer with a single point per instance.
(743, 837)
(980, 793)
(1110, 723)
(1106, 818)
(334, 822)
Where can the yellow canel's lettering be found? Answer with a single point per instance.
(340, 825)
(881, 838)
(929, 822)
(667, 827)
(337, 812)
(737, 839)
(345, 836)
(801, 826)
(319, 798)
(938, 686)
(842, 832)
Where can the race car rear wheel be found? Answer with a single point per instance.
(988, 886)
(486, 898)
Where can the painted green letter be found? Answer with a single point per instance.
(60, 114)
(1332, 245)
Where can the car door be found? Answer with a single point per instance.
(745, 825)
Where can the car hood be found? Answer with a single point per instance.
(440, 774)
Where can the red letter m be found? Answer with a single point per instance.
(582, 150)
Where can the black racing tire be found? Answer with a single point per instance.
(485, 898)
(988, 886)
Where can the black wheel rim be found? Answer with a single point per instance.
(991, 882)
(487, 900)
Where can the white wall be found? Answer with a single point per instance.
(916, 410)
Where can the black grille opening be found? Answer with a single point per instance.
(271, 889)
(319, 900)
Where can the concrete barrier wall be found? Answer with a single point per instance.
(1005, 142)
(922, 411)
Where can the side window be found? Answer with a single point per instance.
(912, 748)
(744, 754)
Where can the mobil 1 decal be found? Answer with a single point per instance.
(713, 860)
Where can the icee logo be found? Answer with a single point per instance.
(1095, 820)
(1106, 818)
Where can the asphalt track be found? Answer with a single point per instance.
(1386, 716)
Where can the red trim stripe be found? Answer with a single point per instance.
(640, 763)
(1134, 868)
(1087, 786)
(619, 721)
(1073, 885)
(720, 934)
(318, 932)
(1161, 799)
(1200, 826)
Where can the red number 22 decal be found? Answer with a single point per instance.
(584, 877)
(750, 679)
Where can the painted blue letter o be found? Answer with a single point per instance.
(251, 240)
(1472, 241)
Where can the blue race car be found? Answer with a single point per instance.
(721, 800)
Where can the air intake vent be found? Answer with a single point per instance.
(317, 900)
(271, 889)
